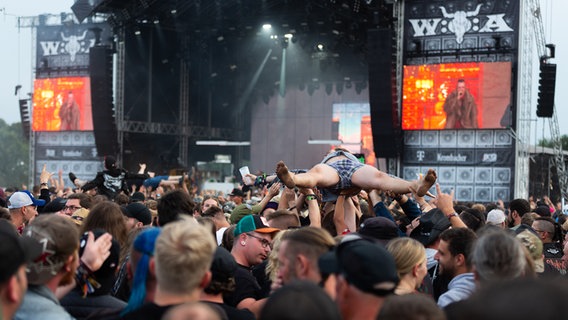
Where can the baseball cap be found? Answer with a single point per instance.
(432, 223)
(495, 217)
(363, 263)
(137, 197)
(379, 228)
(223, 266)
(534, 246)
(15, 250)
(237, 193)
(24, 198)
(239, 212)
(55, 205)
(252, 223)
(79, 216)
(139, 212)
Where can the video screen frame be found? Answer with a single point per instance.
(462, 95)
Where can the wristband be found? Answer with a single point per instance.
(311, 197)
(451, 215)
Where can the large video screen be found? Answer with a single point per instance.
(62, 104)
(471, 95)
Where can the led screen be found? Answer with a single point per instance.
(62, 104)
(472, 95)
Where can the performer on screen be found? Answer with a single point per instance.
(69, 113)
(460, 108)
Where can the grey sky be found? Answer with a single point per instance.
(15, 62)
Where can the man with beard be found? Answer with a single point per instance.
(517, 208)
(55, 267)
(460, 108)
(453, 260)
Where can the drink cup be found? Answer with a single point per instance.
(244, 171)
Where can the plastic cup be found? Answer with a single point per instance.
(244, 171)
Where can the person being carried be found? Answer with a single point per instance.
(340, 172)
(111, 181)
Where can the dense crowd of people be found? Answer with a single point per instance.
(341, 240)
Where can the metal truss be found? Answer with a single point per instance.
(196, 132)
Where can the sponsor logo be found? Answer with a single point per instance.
(459, 23)
(420, 155)
(451, 157)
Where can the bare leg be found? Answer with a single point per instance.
(368, 177)
(320, 175)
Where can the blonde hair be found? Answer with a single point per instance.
(184, 252)
(407, 253)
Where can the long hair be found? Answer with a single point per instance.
(108, 217)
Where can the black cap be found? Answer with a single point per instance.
(137, 197)
(364, 264)
(223, 266)
(139, 212)
(15, 250)
(237, 193)
(432, 223)
(379, 228)
(55, 205)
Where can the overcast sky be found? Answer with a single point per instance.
(15, 62)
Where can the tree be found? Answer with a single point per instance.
(14, 155)
(549, 144)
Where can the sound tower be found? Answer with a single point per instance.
(104, 126)
(382, 94)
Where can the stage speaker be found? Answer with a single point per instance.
(466, 138)
(382, 94)
(483, 138)
(104, 126)
(430, 138)
(447, 175)
(483, 175)
(410, 173)
(502, 138)
(464, 193)
(482, 194)
(501, 193)
(448, 138)
(501, 175)
(465, 175)
(412, 138)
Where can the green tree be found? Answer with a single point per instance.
(14, 155)
(548, 143)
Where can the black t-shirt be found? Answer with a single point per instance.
(246, 286)
(233, 313)
(148, 311)
(553, 256)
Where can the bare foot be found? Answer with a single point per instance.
(284, 175)
(425, 183)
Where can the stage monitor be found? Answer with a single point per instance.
(466, 95)
(62, 104)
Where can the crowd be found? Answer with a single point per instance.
(341, 240)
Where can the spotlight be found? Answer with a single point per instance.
(266, 26)
(328, 88)
(156, 21)
(137, 31)
(319, 47)
(288, 36)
